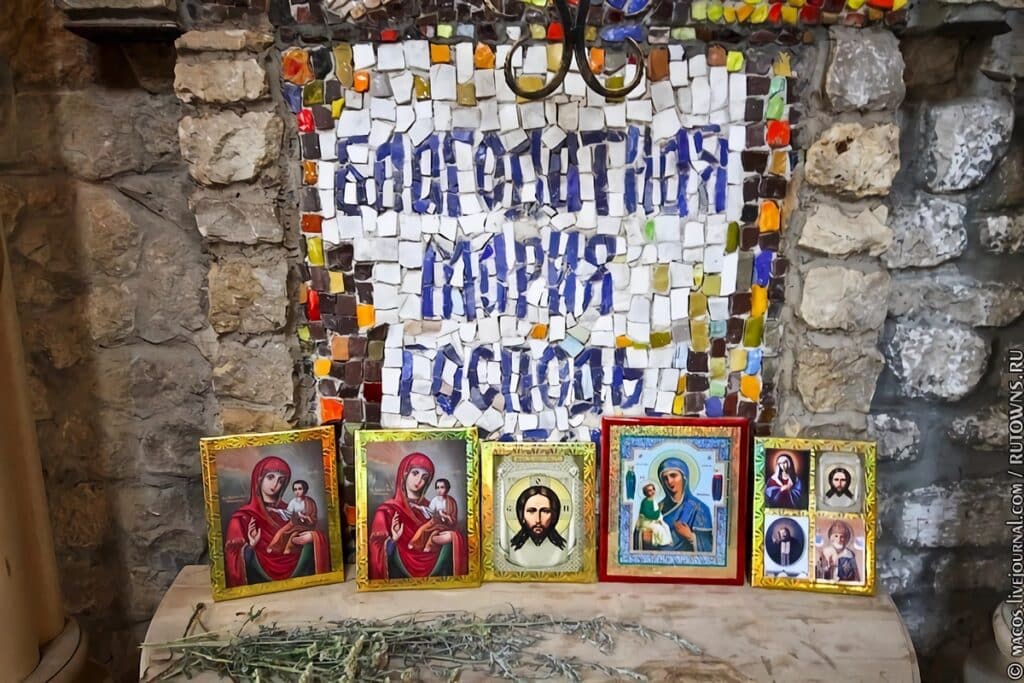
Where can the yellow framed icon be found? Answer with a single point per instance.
(272, 511)
(417, 523)
(814, 515)
(539, 512)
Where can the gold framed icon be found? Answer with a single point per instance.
(272, 511)
(538, 512)
(417, 521)
(814, 516)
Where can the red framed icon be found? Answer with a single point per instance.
(674, 500)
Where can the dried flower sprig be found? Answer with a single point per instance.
(506, 645)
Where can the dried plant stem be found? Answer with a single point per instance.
(505, 645)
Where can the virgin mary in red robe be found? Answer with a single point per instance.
(402, 515)
(247, 555)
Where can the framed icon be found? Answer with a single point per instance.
(814, 515)
(840, 482)
(786, 478)
(785, 543)
(539, 512)
(272, 511)
(674, 500)
(416, 509)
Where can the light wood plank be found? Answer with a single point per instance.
(746, 634)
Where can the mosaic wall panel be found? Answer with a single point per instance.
(651, 21)
(525, 267)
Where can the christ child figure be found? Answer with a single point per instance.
(301, 513)
(650, 518)
(443, 514)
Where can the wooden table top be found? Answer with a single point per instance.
(746, 634)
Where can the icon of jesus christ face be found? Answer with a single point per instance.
(537, 515)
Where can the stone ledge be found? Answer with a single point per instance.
(108, 5)
(229, 40)
(869, 637)
(119, 20)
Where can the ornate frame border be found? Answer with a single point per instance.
(364, 437)
(208, 450)
(866, 449)
(738, 429)
(585, 454)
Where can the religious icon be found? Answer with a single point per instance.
(272, 511)
(839, 549)
(416, 509)
(834, 528)
(839, 482)
(684, 523)
(786, 479)
(539, 517)
(785, 546)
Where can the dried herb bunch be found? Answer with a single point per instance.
(506, 645)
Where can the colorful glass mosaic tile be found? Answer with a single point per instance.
(611, 20)
(527, 266)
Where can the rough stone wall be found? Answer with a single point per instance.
(838, 230)
(904, 239)
(905, 299)
(940, 410)
(231, 138)
(110, 278)
(128, 182)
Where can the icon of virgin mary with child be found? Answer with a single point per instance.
(264, 540)
(687, 517)
(407, 538)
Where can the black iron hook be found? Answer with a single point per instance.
(574, 43)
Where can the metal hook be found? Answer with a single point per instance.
(574, 43)
(563, 68)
